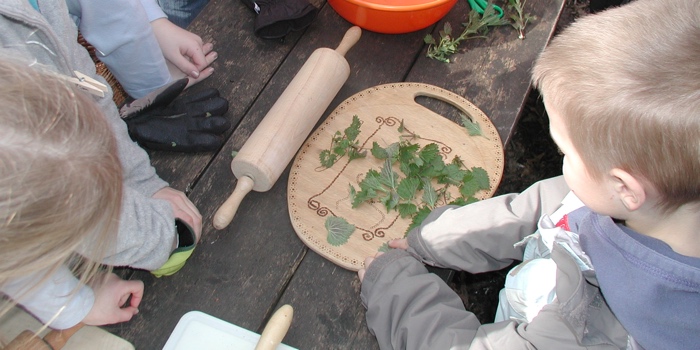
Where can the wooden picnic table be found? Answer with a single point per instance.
(245, 272)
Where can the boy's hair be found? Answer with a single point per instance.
(60, 176)
(626, 83)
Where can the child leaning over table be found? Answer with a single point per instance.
(615, 260)
(43, 36)
(61, 189)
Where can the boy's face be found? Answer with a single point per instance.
(597, 195)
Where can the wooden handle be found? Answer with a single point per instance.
(352, 36)
(276, 328)
(54, 340)
(58, 339)
(227, 210)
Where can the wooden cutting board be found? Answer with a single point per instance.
(315, 192)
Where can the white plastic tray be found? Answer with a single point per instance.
(197, 330)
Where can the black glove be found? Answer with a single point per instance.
(164, 120)
(276, 18)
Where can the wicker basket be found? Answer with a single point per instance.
(119, 95)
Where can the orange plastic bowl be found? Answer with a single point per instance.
(392, 16)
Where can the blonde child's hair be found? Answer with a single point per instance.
(60, 177)
(626, 82)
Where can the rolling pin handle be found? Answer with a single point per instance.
(276, 328)
(227, 210)
(352, 36)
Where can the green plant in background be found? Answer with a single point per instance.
(476, 27)
(520, 18)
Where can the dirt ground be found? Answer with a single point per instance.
(530, 156)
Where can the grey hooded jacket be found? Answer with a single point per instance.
(409, 308)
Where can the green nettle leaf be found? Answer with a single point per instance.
(389, 177)
(408, 154)
(433, 168)
(379, 152)
(430, 152)
(393, 150)
(343, 144)
(384, 247)
(408, 187)
(354, 154)
(452, 174)
(422, 213)
(327, 158)
(473, 127)
(481, 177)
(407, 209)
(469, 187)
(354, 129)
(391, 200)
(429, 193)
(339, 230)
(372, 181)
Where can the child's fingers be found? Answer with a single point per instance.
(399, 243)
(136, 293)
(361, 274)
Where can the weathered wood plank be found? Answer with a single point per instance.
(493, 73)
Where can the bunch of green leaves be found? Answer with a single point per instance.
(520, 18)
(477, 26)
(343, 144)
(423, 185)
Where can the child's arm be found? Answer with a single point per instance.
(62, 302)
(134, 56)
(409, 308)
(479, 237)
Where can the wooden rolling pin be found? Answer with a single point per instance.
(54, 340)
(276, 328)
(273, 144)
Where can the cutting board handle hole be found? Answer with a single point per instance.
(441, 107)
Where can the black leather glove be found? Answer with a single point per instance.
(166, 120)
(276, 18)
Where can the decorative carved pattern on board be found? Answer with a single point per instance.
(315, 192)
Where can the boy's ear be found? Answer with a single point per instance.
(629, 189)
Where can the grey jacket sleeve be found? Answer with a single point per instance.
(479, 237)
(409, 308)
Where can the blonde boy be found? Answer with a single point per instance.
(622, 90)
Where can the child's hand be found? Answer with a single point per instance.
(184, 50)
(183, 208)
(111, 293)
(401, 243)
(368, 261)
